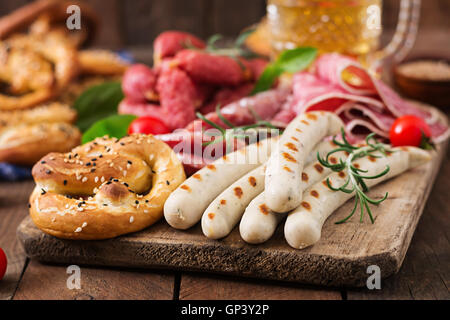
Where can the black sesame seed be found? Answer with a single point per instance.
(48, 172)
(43, 191)
(115, 180)
(94, 164)
(153, 171)
(130, 162)
(105, 204)
(68, 196)
(100, 156)
(109, 182)
(137, 202)
(146, 201)
(94, 159)
(43, 162)
(167, 181)
(122, 144)
(29, 205)
(126, 184)
(79, 205)
(65, 182)
(93, 170)
(88, 164)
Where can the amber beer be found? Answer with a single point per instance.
(347, 26)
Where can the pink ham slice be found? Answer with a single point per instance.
(376, 104)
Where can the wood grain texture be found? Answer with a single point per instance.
(13, 208)
(213, 287)
(426, 271)
(49, 282)
(341, 257)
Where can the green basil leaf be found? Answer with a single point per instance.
(291, 61)
(113, 126)
(98, 102)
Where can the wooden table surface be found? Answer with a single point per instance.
(425, 273)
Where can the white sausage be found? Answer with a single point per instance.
(259, 222)
(186, 204)
(283, 184)
(226, 210)
(303, 226)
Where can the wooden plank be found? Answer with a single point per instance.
(341, 257)
(201, 287)
(110, 32)
(49, 282)
(426, 270)
(13, 208)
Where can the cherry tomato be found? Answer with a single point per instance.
(409, 130)
(3, 263)
(148, 125)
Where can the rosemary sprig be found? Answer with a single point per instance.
(241, 132)
(355, 181)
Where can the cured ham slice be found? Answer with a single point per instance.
(248, 110)
(339, 84)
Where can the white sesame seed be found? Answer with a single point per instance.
(125, 173)
(80, 209)
(84, 179)
(67, 206)
(96, 179)
(102, 179)
(78, 229)
(84, 224)
(131, 219)
(145, 211)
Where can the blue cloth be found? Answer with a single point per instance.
(10, 172)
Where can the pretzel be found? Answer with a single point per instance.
(101, 62)
(27, 135)
(105, 188)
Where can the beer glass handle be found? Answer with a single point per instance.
(405, 33)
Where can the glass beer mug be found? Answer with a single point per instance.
(352, 27)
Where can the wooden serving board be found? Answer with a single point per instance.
(340, 258)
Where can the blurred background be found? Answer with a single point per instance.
(134, 24)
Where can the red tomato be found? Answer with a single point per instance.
(409, 130)
(3, 263)
(148, 125)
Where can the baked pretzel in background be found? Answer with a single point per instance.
(105, 188)
(40, 62)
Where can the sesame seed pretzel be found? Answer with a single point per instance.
(104, 188)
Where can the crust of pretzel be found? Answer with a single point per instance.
(25, 144)
(101, 62)
(27, 135)
(110, 205)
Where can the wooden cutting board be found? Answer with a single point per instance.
(340, 258)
